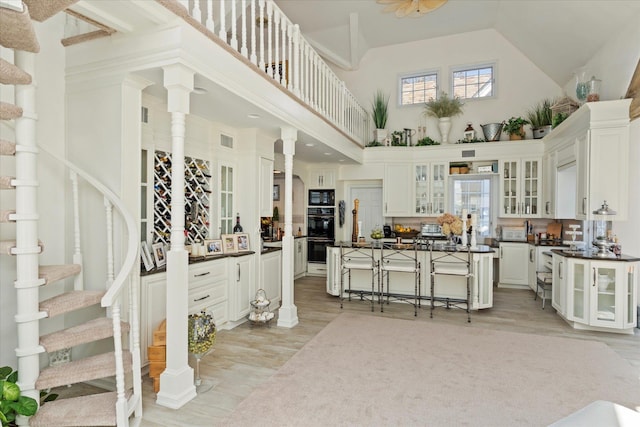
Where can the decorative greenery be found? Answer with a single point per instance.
(541, 114)
(443, 106)
(426, 141)
(513, 126)
(276, 215)
(380, 109)
(396, 139)
(559, 118)
(374, 144)
(12, 402)
(471, 141)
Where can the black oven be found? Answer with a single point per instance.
(320, 233)
(322, 198)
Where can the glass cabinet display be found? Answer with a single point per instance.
(430, 189)
(197, 177)
(520, 188)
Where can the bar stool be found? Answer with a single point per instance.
(400, 258)
(454, 264)
(544, 283)
(359, 257)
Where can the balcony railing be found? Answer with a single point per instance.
(261, 32)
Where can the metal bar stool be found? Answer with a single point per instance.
(359, 257)
(400, 258)
(544, 283)
(451, 263)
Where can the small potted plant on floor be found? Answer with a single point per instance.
(443, 109)
(380, 114)
(515, 128)
(540, 118)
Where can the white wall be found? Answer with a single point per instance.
(520, 84)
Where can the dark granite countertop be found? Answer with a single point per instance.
(591, 255)
(481, 249)
(197, 260)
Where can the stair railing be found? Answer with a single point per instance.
(119, 287)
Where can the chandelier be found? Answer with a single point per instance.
(413, 8)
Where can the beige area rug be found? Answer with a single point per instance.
(372, 371)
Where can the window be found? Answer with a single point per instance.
(473, 82)
(418, 88)
(226, 200)
(474, 195)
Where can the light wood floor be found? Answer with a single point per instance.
(247, 355)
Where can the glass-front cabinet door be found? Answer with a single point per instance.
(422, 190)
(509, 189)
(578, 280)
(607, 285)
(438, 188)
(630, 316)
(530, 204)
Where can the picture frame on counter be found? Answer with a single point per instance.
(159, 254)
(276, 192)
(213, 247)
(243, 242)
(145, 255)
(229, 244)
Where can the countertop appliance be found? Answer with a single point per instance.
(514, 234)
(322, 198)
(431, 230)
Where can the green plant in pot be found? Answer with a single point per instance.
(12, 403)
(380, 114)
(515, 128)
(541, 117)
(443, 109)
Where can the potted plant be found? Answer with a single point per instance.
(380, 114)
(12, 402)
(515, 128)
(540, 118)
(443, 109)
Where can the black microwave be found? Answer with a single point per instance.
(322, 198)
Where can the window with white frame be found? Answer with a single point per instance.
(418, 88)
(473, 82)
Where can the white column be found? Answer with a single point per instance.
(288, 313)
(176, 382)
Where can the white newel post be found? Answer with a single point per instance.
(176, 382)
(288, 313)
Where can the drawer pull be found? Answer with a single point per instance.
(200, 299)
(202, 274)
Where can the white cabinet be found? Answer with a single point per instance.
(271, 276)
(322, 178)
(241, 286)
(430, 189)
(334, 269)
(265, 186)
(397, 190)
(153, 309)
(558, 292)
(514, 259)
(532, 267)
(299, 257)
(549, 170)
(521, 188)
(601, 295)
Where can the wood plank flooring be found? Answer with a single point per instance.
(247, 355)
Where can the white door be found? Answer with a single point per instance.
(369, 210)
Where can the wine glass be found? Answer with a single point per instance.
(201, 337)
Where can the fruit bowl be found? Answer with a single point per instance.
(407, 234)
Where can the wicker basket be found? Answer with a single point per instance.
(564, 105)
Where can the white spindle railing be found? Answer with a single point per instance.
(78, 280)
(279, 50)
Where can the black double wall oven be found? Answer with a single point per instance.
(320, 224)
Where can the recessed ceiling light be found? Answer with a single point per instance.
(253, 116)
(341, 160)
(309, 144)
(199, 90)
(327, 154)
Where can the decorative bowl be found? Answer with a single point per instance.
(407, 234)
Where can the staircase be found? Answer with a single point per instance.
(120, 363)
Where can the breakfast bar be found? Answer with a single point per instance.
(403, 286)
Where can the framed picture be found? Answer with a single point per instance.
(145, 254)
(243, 242)
(276, 192)
(212, 247)
(229, 244)
(159, 254)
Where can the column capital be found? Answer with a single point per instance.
(178, 80)
(289, 136)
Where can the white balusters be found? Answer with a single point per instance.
(210, 23)
(185, 4)
(261, 62)
(297, 65)
(269, 36)
(290, 64)
(121, 399)
(223, 29)
(243, 49)
(78, 283)
(276, 44)
(108, 208)
(253, 58)
(197, 13)
(234, 36)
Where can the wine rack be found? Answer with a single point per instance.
(197, 179)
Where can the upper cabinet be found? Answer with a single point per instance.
(521, 188)
(430, 188)
(397, 190)
(322, 178)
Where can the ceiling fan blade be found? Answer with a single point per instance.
(427, 6)
(406, 9)
(389, 1)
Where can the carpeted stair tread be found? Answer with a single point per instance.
(5, 183)
(53, 273)
(92, 330)
(7, 148)
(4, 215)
(70, 301)
(17, 30)
(82, 370)
(92, 410)
(12, 75)
(43, 10)
(9, 111)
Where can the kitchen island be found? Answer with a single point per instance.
(403, 284)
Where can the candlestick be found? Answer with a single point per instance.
(464, 231)
(464, 214)
(474, 219)
(474, 243)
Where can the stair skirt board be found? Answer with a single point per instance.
(17, 30)
(93, 330)
(43, 10)
(7, 148)
(92, 410)
(54, 273)
(70, 301)
(82, 370)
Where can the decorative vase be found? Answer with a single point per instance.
(380, 135)
(518, 135)
(444, 125)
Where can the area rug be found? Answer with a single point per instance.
(372, 371)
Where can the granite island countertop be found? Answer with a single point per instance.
(480, 249)
(591, 255)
